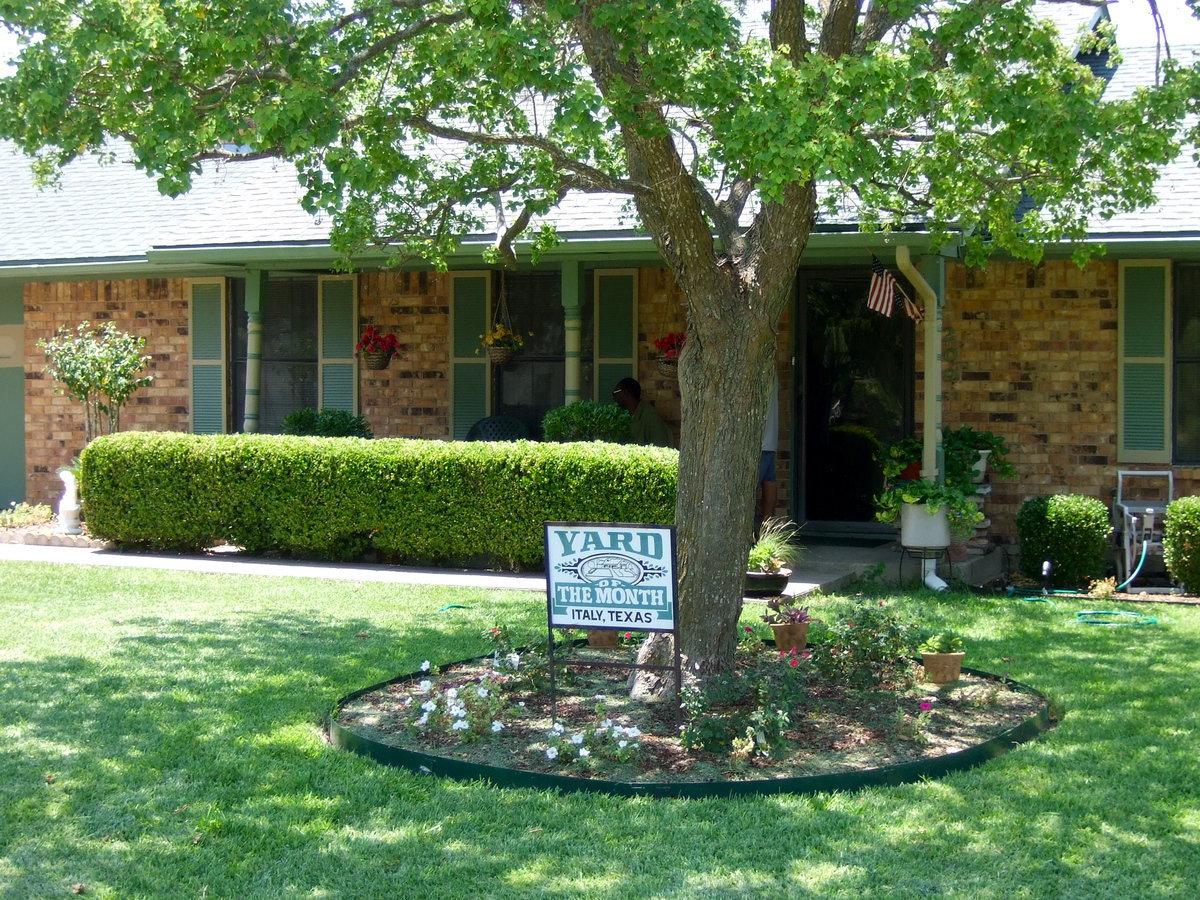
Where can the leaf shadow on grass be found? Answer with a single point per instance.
(188, 758)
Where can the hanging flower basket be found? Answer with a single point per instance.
(376, 359)
(501, 356)
(668, 368)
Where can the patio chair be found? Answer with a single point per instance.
(498, 428)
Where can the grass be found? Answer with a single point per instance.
(161, 739)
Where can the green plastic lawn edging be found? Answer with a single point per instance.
(901, 773)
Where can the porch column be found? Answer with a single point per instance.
(256, 286)
(572, 302)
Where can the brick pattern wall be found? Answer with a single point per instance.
(410, 398)
(1030, 353)
(156, 309)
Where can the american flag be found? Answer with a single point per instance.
(883, 292)
(882, 295)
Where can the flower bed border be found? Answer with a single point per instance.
(901, 773)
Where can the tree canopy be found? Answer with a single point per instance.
(730, 126)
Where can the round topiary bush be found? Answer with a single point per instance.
(326, 423)
(1181, 541)
(1070, 530)
(587, 421)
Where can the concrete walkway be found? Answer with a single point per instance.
(824, 566)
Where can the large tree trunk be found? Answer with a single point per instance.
(724, 385)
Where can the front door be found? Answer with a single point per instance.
(854, 395)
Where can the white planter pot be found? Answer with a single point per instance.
(979, 470)
(920, 529)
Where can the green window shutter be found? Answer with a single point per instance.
(1143, 379)
(207, 333)
(338, 335)
(615, 326)
(470, 392)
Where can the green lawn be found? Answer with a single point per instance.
(161, 739)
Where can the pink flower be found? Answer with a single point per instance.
(926, 706)
(794, 662)
(807, 654)
(748, 628)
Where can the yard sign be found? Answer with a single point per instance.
(601, 575)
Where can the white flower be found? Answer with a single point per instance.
(622, 744)
(424, 686)
(423, 720)
(584, 752)
(557, 728)
(601, 697)
(460, 725)
(408, 701)
(577, 739)
(497, 726)
(425, 666)
(552, 753)
(521, 703)
(481, 692)
(458, 712)
(452, 693)
(607, 723)
(632, 732)
(429, 705)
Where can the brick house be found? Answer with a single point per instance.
(1083, 371)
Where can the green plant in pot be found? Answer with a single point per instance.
(961, 512)
(789, 621)
(942, 655)
(771, 557)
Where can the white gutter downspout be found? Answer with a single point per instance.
(932, 405)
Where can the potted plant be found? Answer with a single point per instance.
(501, 344)
(789, 621)
(969, 454)
(377, 349)
(769, 562)
(942, 655)
(927, 511)
(669, 347)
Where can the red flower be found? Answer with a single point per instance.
(671, 344)
(373, 341)
(795, 662)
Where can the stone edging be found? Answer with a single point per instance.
(50, 539)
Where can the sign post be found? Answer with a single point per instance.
(612, 577)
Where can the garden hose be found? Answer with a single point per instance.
(1097, 617)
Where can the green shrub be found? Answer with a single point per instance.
(326, 423)
(866, 647)
(587, 421)
(1069, 529)
(413, 501)
(1181, 541)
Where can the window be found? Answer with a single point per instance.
(1186, 365)
(533, 383)
(289, 350)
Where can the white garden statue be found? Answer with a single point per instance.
(68, 506)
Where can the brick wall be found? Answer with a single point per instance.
(410, 398)
(156, 309)
(1030, 353)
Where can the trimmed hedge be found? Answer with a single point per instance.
(588, 420)
(1181, 542)
(413, 501)
(1070, 529)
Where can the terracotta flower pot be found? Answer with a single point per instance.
(602, 637)
(790, 636)
(942, 668)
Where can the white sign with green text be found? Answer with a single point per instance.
(610, 576)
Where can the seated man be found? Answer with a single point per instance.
(648, 426)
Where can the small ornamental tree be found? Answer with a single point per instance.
(100, 368)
